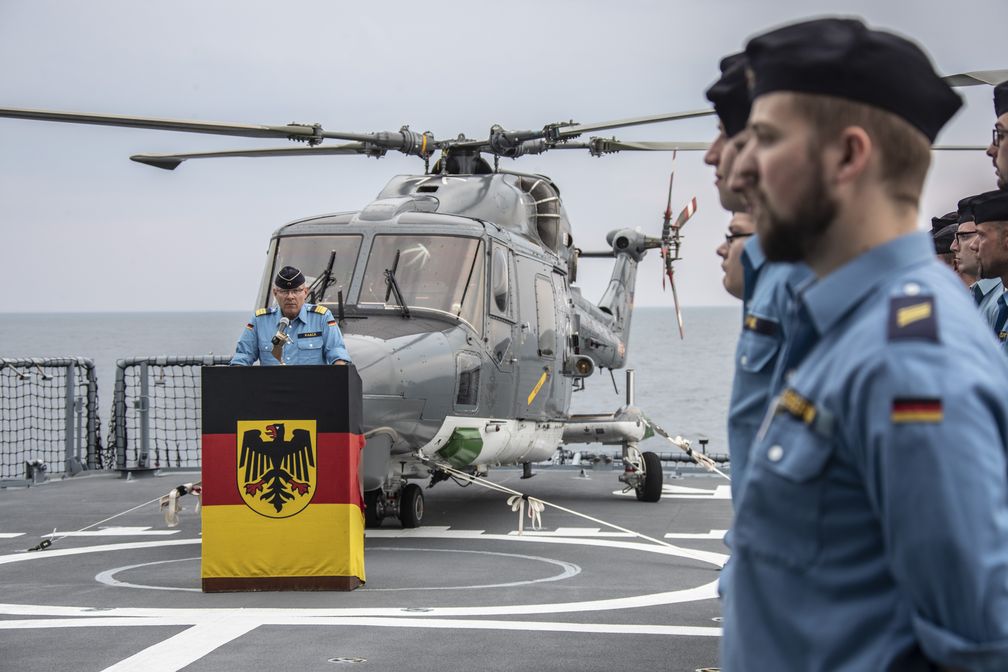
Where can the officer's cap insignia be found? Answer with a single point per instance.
(912, 409)
(760, 325)
(912, 318)
(320, 309)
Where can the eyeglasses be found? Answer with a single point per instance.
(998, 136)
(732, 237)
(964, 235)
(288, 292)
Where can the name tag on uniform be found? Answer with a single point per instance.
(310, 334)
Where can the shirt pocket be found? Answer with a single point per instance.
(756, 350)
(781, 506)
(309, 344)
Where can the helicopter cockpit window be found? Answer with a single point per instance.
(442, 273)
(327, 263)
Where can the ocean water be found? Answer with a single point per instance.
(683, 385)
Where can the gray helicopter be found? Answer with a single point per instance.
(455, 291)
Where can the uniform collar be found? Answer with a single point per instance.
(752, 253)
(302, 314)
(829, 299)
(986, 284)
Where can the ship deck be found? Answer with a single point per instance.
(464, 592)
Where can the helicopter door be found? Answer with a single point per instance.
(558, 402)
(537, 342)
(502, 330)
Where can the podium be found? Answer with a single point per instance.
(282, 501)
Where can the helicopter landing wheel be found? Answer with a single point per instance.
(411, 506)
(650, 487)
(373, 508)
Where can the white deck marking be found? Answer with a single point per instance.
(713, 534)
(116, 532)
(10, 535)
(186, 647)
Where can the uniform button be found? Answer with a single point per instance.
(911, 289)
(775, 453)
(744, 360)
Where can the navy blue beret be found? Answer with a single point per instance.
(846, 59)
(939, 223)
(289, 278)
(730, 94)
(943, 238)
(1001, 98)
(990, 206)
(965, 210)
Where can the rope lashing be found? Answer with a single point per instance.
(535, 508)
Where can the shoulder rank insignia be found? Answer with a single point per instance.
(760, 325)
(914, 409)
(322, 310)
(261, 312)
(912, 318)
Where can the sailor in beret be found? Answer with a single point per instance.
(309, 336)
(990, 214)
(871, 529)
(985, 291)
(765, 288)
(943, 231)
(994, 151)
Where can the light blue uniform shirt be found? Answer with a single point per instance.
(872, 531)
(315, 339)
(986, 292)
(768, 292)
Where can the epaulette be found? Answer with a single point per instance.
(322, 310)
(912, 318)
(760, 325)
(263, 311)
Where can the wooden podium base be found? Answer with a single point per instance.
(280, 583)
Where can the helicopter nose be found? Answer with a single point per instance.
(408, 384)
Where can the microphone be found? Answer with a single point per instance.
(281, 335)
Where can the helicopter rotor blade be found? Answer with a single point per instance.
(509, 143)
(678, 309)
(172, 161)
(977, 77)
(159, 124)
(573, 130)
(958, 148)
(603, 146)
(685, 214)
(403, 140)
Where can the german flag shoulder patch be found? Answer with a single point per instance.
(917, 410)
(250, 327)
(912, 318)
(322, 310)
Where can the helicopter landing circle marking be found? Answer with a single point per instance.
(703, 592)
(568, 570)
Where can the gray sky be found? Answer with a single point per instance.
(82, 228)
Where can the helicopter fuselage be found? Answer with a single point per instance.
(455, 300)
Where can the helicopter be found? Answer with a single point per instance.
(456, 293)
